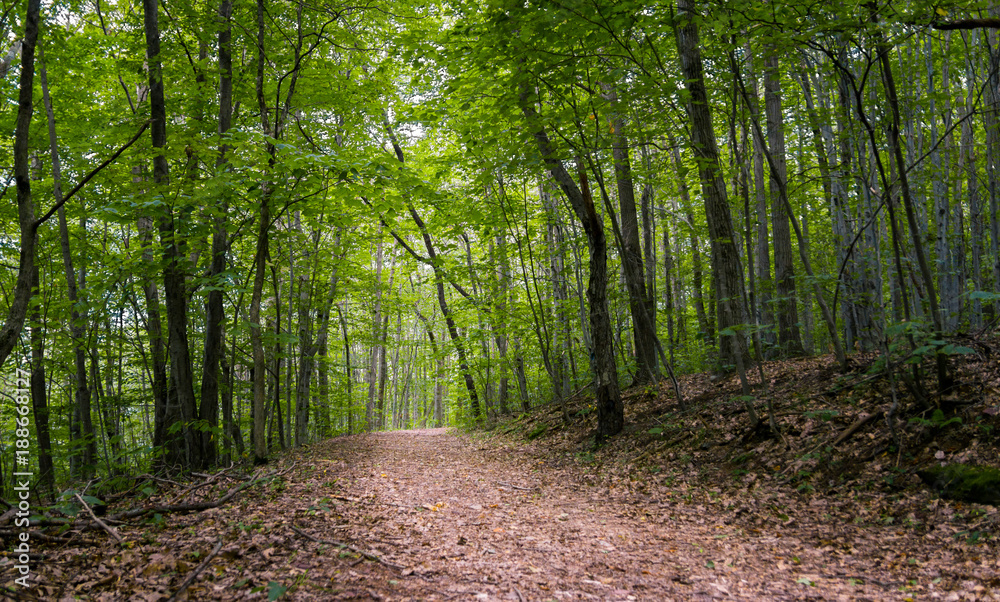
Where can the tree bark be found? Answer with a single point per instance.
(174, 273)
(439, 278)
(11, 331)
(883, 48)
(78, 463)
(643, 329)
(610, 410)
(728, 276)
(39, 400)
(705, 331)
(214, 312)
(786, 310)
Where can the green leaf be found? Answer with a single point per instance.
(275, 590)
(952, 349)
(656, 430)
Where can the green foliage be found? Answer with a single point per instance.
(826, 415)
(937, 420)
(979, 484)
(275, 590)
(537, 432)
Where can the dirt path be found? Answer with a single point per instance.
(476, 520)
(429, 515)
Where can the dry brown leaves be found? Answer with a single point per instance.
(697, 511)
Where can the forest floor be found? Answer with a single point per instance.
(682, 506)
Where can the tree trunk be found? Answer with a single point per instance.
(704, 327)
(728, 277)
(322, 338)
(786, 310)
(174, 274)
(883, 48)
(522, 381)
(39, 401)
(643, 330)
(78, 463)
(214, 313)
(763, 286)
(610, 410)
(558, 361)
(439, 278)
(967, 158)
(500, 317)
(11, 331)
(347, 371)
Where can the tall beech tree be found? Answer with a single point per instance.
(727, 275)
(610, 410)
(18, 309)
(174, 268)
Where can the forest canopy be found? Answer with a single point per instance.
(228, 228)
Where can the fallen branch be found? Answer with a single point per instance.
(194, 574)
(199, 506)
(332, 542)
(11, 533)
(855, 427)
(209, 479)
(844, 436)
(101, 523)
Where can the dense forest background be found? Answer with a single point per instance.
(229, 228)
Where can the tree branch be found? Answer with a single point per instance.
(88, 177)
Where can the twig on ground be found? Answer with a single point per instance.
(101, 523)
(854, 428)
(35, 535)
(194, 574)
(199, 506)
(844, 436)
(502, 484)
(333, 542)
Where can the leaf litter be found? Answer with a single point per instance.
(682, 506)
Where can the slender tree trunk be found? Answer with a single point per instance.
(967, 157)
(944, 379)
(372, 418)
(991, 119)
(786, 309)
(260, 267)
(214, 313)
(643, 329)
(77, 330)
(11, 331)
(383, 368)
(439, 278)
(322, 338)
(174, 274)
(559, 367)
(803, 256)
(499, 319)
(728, 277)
(522, 381)
(697, 270)
(349, 406)
(610, 410)
(39, 400)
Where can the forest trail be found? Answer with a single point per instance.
(432, 515)
(472, 519)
